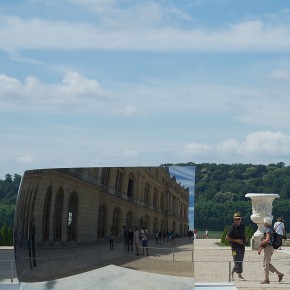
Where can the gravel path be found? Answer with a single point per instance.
(212, 265)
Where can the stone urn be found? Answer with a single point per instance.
(261, 207)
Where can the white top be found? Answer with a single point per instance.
(279, 228)
(136, 236)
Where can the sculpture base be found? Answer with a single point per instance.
(255, 243)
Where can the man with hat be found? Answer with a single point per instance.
(236, 236)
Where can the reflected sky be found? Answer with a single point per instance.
(186, 176)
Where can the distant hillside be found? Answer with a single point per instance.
(220, 190)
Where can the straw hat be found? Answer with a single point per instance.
(237, 215)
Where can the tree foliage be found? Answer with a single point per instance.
(223, 236)
(6, 236)
(8, 194)
(220, 190)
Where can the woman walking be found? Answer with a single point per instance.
(268, 252)
(136, 240)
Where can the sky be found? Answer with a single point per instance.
(141, 83)
(185, 175)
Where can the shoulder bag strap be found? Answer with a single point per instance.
(277, 226)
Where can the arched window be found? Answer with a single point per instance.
(173, 226)
(72, 217)
(131, 185)
(46, 214)
(162, 201)
(155, 198)
(106, 176)
(162, 225)
(32, 207)
(129, 219)
(58, 210)
(23, 220)
(173, 204)
(30, 213)
(146, 222)
(116, 222)
(102, 221)
(27, 213)
(119, 181)
(157, 173)
(146, 193)
(155, 225)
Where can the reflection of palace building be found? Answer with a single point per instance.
(81, 205)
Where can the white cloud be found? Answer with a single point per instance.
(95, 5)
(16, 56)
(197, 149)
(229, 145)
(285, 11)
(74, 91)
(268, 106)
(283, 75)
(27, 159)
(74, 147)
(267, 143)
(138, 14)
(255, 147)
(127, 110)
(17, 33)
(129, 153)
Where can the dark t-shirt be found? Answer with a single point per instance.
(238, 233)
(130, 235)
(125, 234)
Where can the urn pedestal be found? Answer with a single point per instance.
(261, 207)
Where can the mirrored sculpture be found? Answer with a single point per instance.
(65, 218)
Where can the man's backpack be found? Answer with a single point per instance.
(276, 240)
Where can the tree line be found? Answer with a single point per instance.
(8, 194)
(220, 190)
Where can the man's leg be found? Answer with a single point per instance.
(137, 248)
(238, 256)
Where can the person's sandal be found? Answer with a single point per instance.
(280, 277)
(265, 282)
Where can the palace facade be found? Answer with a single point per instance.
(78, 206)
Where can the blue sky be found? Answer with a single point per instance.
(141, 83)
(185, 175)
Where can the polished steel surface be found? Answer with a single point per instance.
(64, 218)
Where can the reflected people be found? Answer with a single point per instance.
(65, 217)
